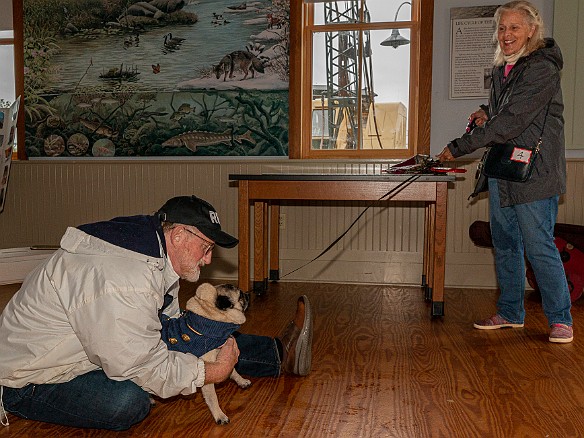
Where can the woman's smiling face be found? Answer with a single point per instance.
(513, 32)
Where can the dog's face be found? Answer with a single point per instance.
(224, 303)
(230, 297)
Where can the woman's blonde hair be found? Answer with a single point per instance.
(532, 18)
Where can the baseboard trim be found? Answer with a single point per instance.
(16, 263)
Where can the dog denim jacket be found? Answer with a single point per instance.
(195, 334)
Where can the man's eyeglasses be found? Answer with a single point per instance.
(209, 246)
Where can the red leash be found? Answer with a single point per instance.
(447, 170)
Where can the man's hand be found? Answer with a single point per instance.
(220, 370)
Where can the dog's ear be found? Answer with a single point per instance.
(206, 292)
(223, 302)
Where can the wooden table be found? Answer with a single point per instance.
(267, 190)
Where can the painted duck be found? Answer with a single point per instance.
(172, 42)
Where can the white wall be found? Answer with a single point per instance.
(7, 91)
(449, 117)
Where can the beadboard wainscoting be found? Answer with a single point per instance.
(385, 246)
(15, 263)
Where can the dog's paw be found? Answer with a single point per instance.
(244, 383)
(222, 420)
(241, 382)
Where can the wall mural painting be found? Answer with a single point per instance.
(160, 78)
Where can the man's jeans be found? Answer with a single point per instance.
(90, 400)
(529, 226)
(258, 356)
(93, 400)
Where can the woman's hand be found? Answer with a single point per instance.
(220, 370)
(480, 117)
(445, 155)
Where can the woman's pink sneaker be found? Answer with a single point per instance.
(561, 333)
(495, 322)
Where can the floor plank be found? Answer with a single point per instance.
(383, 368)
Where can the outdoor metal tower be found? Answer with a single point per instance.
(344, 60)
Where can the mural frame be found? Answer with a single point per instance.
(164, 78)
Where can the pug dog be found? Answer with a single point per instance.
(224, 303)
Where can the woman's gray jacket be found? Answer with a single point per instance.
(517, 111)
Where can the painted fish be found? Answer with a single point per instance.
(185, 108)
(110, 101)
(195, 139)
(99, 128)
(182, 111)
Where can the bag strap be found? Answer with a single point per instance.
(545, 119)
(543, 127)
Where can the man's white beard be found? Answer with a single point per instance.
(193, 275)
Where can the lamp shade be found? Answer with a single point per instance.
(395, 40)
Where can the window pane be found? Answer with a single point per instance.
(335, 89)
(7, 86)
(330, 12)
(5, 16)
(389, 10)
(359, 103)
(337, 12)
(388, 73)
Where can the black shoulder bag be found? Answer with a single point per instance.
(510, 161)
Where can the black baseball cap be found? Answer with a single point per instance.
(190, 210)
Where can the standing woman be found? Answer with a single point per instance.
(525, 98)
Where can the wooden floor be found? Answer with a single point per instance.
(383, 368)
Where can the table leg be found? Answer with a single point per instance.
(439, 250)
(274, 242)
(265, 246)
(426, 258)
(431, 231)
(243, 253)
(259, 208)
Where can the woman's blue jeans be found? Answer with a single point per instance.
(527, 230)
(92, 400)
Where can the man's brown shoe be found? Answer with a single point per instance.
(297, 340)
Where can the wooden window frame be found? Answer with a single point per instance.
(17, 44)
(301, 87)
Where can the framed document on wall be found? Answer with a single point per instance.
(472, 48)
